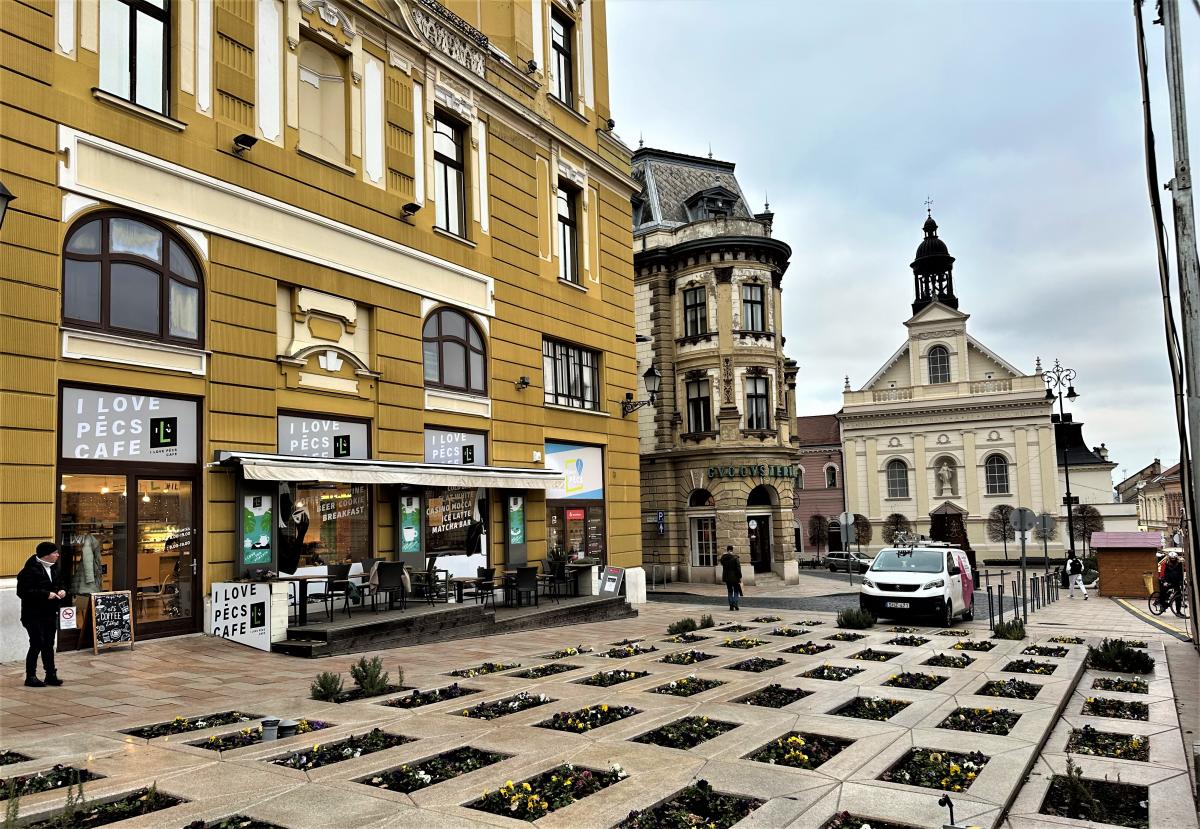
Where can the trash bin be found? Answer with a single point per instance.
(1148, 578)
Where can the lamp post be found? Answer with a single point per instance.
(652, 378)
(1056, 378)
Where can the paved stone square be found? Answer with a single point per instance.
(81, 724)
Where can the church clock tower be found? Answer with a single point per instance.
(933, 271)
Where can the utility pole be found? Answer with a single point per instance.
(1189, 276)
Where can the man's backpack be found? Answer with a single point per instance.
(1074, 567)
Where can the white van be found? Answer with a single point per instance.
(925, 580)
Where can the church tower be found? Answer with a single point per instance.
(933, 271)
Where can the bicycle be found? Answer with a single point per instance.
(1176, 599)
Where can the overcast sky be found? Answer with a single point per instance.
(1022, 121)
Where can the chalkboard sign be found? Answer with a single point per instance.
(112, 620)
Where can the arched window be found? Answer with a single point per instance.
(133, 277)
(996, 473)
(701, 498)
(453, 353)
(897, 479)
(831, 477)
(762, 496)
(939, 364)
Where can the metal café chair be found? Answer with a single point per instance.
(484, 589)
(390, 581)
(338, 585)
(526, 583)
(432, 582)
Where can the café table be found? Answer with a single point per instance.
(577, 570)
(460, 582)
(302, 583)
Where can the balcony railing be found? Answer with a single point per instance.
(991, 386)
(889, 395)
(1031, 385)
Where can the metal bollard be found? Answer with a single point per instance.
(1016, 601)
(991, 622)
(1000, 602)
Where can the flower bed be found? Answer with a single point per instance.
(902, 629)
(253, 736)
(686, 733)
(688, 657)
(1088, 740)
(1029, 666)
(355, 694)
(787, 631)
(485, 669)
(954, 633)
(766, 620)
(774, 696)
(981, 720)
(8, 757)
(907, 641)
(697, 805)
(1045, 650)
(1116, 708)
(1010, 688)
(413, 776)
(932, 769)
(808, 623)
(687, 686)
(326, 754)
(588, 717)
(733, 628)
(872, 708)
(1067, 640)
(845, 637)
(925, 682)
(418, 698)
(540, 671)
(553, 789)
(82, 815)
(181, 725)
(494, 709)
(1133, 685)
(685, 638)
(58, 777)
(833, 673)
(563, 653)
(799, 750)
(845, 820)
(756, 664)
(233, 822)
(628, 649)
(948, 660)
(605, 679)
(744, 643)
(808, 648)
(872, 655)
(1097, 801)
(974, 645)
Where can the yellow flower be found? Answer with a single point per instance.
(526, 787)
(603, 707)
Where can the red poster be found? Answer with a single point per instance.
(575, 515)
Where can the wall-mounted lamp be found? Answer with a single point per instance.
(610, 124)
(652, 378)
(243, 142)
(522, 382)
(410, 209)
(531, 67)
(6, 198)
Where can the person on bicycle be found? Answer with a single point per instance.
(1170, 576)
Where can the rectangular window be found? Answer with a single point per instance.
(752, 308)
(322, 102)
(695, 312)
(135, 51)
(562, 34)
(699, 406)
(756, 403)
(568, 233)
(325, 521)
(449, 176)
(704, 541)
(571, 375)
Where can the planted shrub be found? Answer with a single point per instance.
(697, 805)
(1012, 629)
(686, 625)
(706, 621)
(856, 618)
(326, 687)
(1098, 801)
(1117, 655)
(370, 677)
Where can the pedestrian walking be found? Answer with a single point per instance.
(731, 574)
(41, 591)
(1075, 576)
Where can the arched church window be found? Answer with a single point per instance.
(830, 477)
(897, 479)
(996, 473)
(939, 364)
(701, 498)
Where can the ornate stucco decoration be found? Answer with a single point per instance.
(727, 381)
(331, 14)
(576, 175)
(454, 96)
(449, 33)
(936, 335)
(695, 374)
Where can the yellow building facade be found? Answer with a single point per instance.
(289, 281)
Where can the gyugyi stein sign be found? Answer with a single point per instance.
(322, 437)
(111, 426)
(753, 470)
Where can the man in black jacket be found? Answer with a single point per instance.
(40, 589)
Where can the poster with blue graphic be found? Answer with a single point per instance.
(583, 467)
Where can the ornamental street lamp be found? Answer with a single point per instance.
(1056, 378)
(652, 378)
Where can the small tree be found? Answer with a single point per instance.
(1087, 520)
(998, 528)
(863, 531)
(895, 524)
(818, 530)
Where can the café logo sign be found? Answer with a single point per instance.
(102, 425)
(322, 437)
(757, 470)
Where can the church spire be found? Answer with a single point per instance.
(933, 270)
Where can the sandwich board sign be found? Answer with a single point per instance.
(611, 581)
(112, 619)
(241, 612)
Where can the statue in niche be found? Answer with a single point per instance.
(945, 479)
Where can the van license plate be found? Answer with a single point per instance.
(901, 605)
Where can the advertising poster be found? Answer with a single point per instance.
(111, 426)
(410, 524)
(256, 529)
(449, 513)
(583, 467)
(322, 437)
(240, 613)
(516, 520)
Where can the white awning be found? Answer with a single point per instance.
(288, 468)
